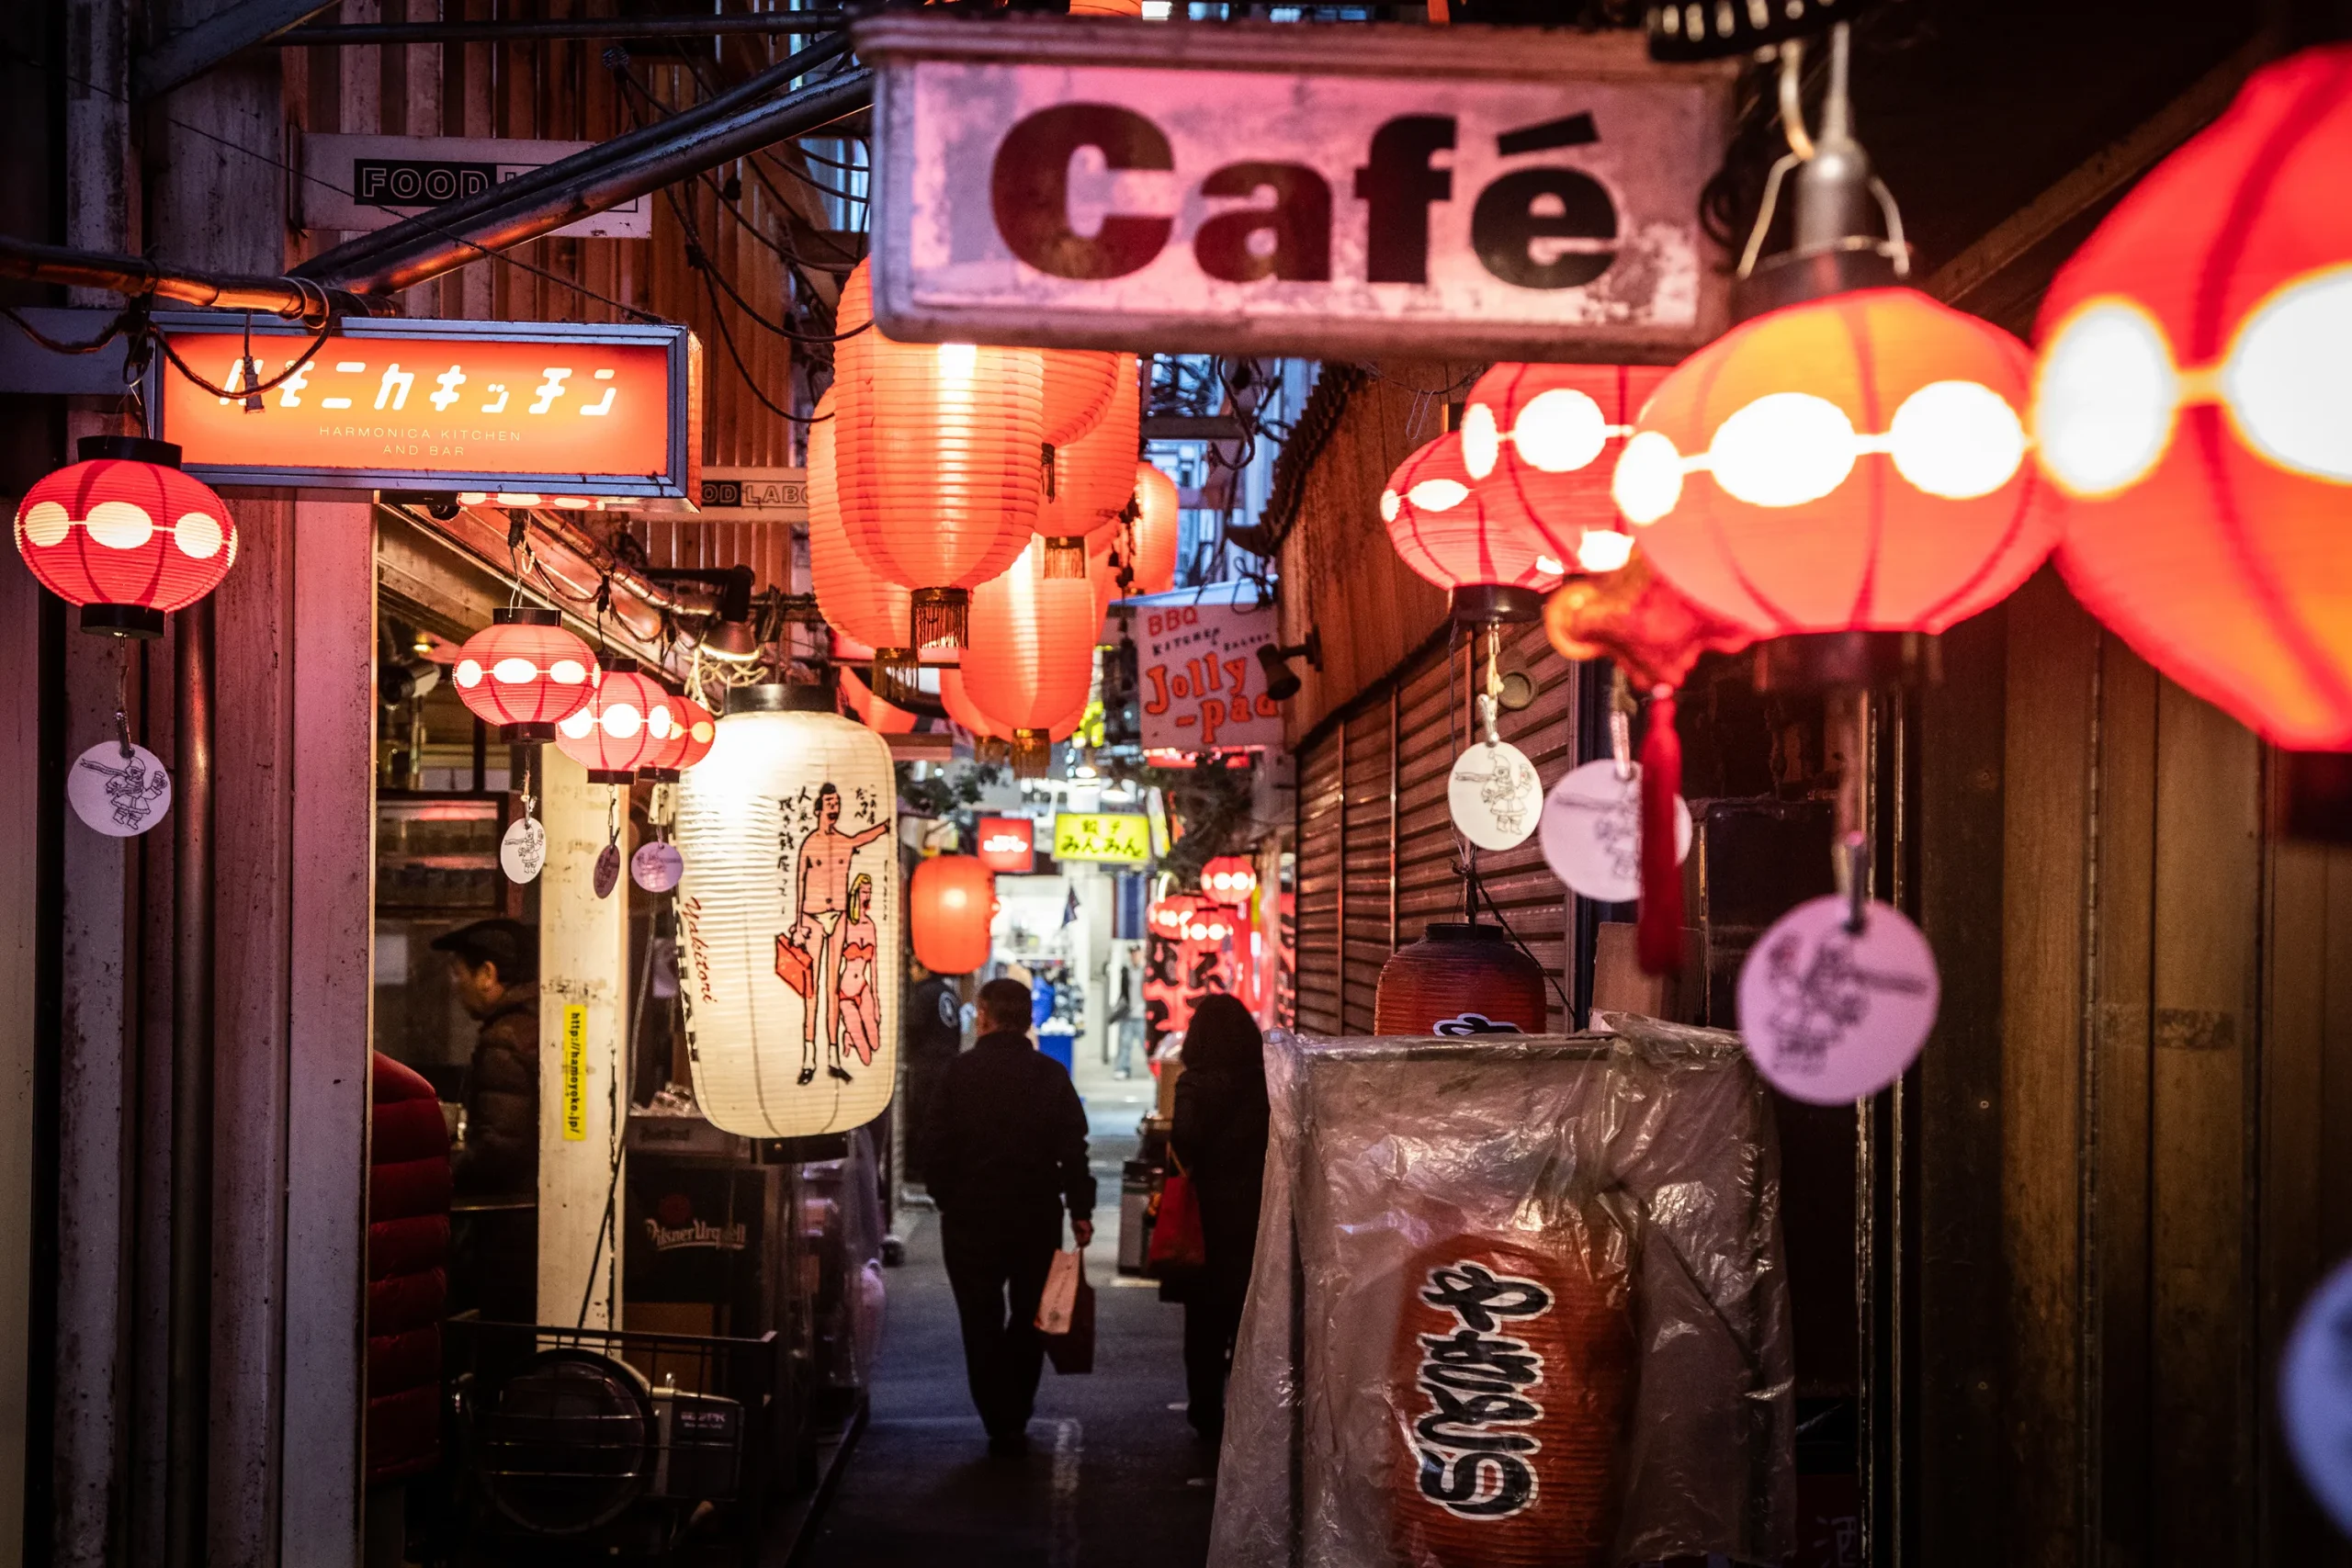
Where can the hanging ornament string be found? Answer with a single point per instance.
(122, 696)
(523, 849)
(1621, 722)
(1658, 934)
(1850, 855)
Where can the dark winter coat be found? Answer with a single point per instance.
(408, 1282)
(1005, 1145)
(501, 1149)
(1219, 1135)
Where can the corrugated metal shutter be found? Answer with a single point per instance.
(1365, 851)
(1315, 882)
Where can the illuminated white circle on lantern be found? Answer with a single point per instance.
(792, 1004)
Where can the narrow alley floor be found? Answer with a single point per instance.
(1114, 1474)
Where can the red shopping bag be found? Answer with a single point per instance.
(1177, 1245)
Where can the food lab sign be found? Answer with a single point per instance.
(1260, 187)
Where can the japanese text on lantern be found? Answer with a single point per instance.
(1481, 1381)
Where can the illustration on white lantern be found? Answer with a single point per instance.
(831, 918)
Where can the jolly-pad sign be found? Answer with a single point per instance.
(117, 795)
(1832, 1015)
(1494, 794)
(1592, 832)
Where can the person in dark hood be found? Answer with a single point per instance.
(1219, 1138)
(494, 968)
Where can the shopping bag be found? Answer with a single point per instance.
(1059, 1304)
(1073, 1352)
(792, 964)
(1177, 1245)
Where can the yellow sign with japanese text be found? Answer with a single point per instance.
(575, 1075)
(1121, 837)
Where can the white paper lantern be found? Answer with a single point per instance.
(788, 920)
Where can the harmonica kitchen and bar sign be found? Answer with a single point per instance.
(535, 407)
(1261, 187)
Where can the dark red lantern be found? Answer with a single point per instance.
(125, 535)
(1229, 879)
(948, 909)
(1461, 979)
(624, 727)
(1491, 561)
(524, 674)
(1539, 442)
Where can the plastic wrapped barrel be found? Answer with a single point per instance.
(1510, 1382)
(1461, 979)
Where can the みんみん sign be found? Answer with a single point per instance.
(1260, 187)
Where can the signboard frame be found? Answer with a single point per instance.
(679, 480)
(328, 158)
(1011, 69)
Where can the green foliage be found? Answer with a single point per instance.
(1213, 805)
(944, 794)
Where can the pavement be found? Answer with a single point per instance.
(1114, 1474)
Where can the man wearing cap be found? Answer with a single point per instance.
(494, 968)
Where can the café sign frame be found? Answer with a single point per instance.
(1265, 187)
(556, 408)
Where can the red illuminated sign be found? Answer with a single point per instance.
(547, 408)
(1008, 843)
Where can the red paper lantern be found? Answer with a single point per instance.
(1007, 844)
(948, 907)
(1030, 663)
(2189, 409)
(878, 714)
(1091, 477)
(1229, 879)
(1495, 565)
(937, 454)
(625, 726)
(1541, 442)
(1855, 463)
(1155, 531)
(1078, 384)
(125, 535)
(701, 729)
(855, 600)
(1461, 979)
(961, 710)
(1510, 1384)
(524, 674)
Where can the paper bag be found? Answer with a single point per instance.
(1058, 1306)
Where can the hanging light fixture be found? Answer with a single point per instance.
(1030, 665)
(1493, 565)
(949, 901)
(937, 457)
(125, 534)
(1539, 442)
(1153, 534)
(2189, 409)
(626, 725)
(1091, 476)
(524, 674)
(855, 600)
(788, 918)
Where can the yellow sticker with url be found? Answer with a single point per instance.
(575, 1075)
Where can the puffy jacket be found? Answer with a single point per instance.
(408, 1281)
(502, 1152)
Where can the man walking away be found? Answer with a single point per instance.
(1004, 1150)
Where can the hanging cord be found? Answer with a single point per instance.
(122, 696)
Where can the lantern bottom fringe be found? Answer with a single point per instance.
(1065, 555)
(1032, 750)
(894, 674)
(122, 620)
(988, 748)
(527, 734)
(939, 617)
(612, 775)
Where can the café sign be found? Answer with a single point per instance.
(1267, 187)
(388, 403)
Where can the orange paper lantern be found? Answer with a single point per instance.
(856, 600)
(1090, 477)
(878, 714)
(1078, 387)
(1541, 442)
(1154, 533)
(1855, 463)
(1493, 563)
(1229, 879)
(948, 907)
(937, 462)
(524, 674)
(1030, 663)
(2188, 408)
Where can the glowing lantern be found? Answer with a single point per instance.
(1229, 879)
(961, 710)
(1154, 533)
(855, 600)
(700, 728)
(1030, 663)
(524, 674)
(1496, 568)
(2191, 409)
(1855, 463)
(1168, 915)
(788, 915)
(625, 726)
(937, 457)
(1460, 978)
(948, 907)
(125, 535)
(1541, 442)
(1091, 477)
(878, 714)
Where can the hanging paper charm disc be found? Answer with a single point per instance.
(609, 870)
(120, 797)
(524, 851)
(1495, 794)
(1592, 832)
(1832, 1015)
(656, 866)
(2315, 1395)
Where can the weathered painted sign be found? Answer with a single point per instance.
(364, 183)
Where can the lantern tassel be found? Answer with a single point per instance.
(988, 748)
(1032, 750)
(894, 674)
(940, 616)
(1658, 937)
(1065, 555)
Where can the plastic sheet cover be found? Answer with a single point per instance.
(1517, 1300)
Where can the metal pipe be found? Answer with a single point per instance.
(419, 249)
(188, 1367)
(765, 22)
(136, 277)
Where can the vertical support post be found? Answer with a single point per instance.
(20, 806)
(187, 1442)
(583, 959)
